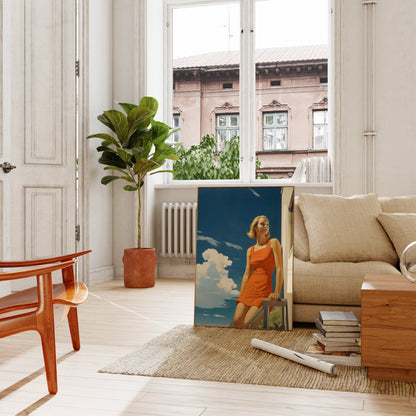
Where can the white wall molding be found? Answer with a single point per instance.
(337, 147)
(369, 131)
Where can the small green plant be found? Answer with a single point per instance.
(138, 146)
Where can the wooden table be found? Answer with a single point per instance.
(388, 327)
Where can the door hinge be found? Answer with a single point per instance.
(77, 233)
(77, 70)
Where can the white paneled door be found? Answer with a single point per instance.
(38, 134)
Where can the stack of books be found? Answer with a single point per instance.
(339, 338)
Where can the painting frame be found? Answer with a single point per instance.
(223, 221)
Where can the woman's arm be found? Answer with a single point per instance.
(278, 260)
(247, 271)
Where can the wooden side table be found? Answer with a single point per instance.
(388, 327)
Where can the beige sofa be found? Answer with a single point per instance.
(338, 240)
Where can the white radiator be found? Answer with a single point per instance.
(179, 229)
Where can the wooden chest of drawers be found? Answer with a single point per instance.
(388, 332)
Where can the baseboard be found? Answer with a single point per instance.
(176, 270)
(100, 275)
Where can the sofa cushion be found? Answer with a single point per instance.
(337, 283)
(398, 204)
(300, 244)
(401, 228)
(345, 229)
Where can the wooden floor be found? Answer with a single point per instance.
(113, 322)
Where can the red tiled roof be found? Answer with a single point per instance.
(267, 55)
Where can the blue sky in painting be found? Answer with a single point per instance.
(224, 218)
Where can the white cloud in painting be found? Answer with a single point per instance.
(210, 240)
(237, 247)
(213, 285)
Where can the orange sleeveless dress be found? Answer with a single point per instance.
(259, 284)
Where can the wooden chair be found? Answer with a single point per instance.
(44, 306)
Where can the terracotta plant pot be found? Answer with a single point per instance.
(139, 267)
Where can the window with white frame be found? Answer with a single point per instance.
(201, 65)
(227, 128)
(275, 130)
(320, 129)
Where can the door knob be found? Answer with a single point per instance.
(7, 167)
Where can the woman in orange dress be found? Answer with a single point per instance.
(262, 259)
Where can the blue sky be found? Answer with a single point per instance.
(224, 218)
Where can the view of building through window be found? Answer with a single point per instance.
(291, 59)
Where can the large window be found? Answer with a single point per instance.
(227, 128)
(275, 130)
(279, 66)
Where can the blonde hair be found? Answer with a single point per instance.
(252, 233)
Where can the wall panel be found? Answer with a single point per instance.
(43, 82)
(44, 222)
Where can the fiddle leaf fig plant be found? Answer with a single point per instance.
(138, 146)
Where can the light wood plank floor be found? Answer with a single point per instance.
(113, 322)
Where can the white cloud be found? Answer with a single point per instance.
(213, 285)
(237, 247)
(210, 240)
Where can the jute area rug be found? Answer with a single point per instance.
(226, 355)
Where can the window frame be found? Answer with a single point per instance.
(176, 122)
(275, 127)
(228, 128)
(248, 112)
(325, 111)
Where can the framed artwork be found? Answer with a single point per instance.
(244, 257)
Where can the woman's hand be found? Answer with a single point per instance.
(273, 297)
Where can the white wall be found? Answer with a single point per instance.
(100, 98)
(387, 30)
(125, 90)
(395, 74)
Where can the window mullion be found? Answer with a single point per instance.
(247, 92)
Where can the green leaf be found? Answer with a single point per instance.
(127, 107)
(123, 171)
(119, 122)
(107, 179)
(104, 119)
(150, 102)
(174, 131)
(130, 188)
(139, 118)
(136, 139)
(160, 171)
(112, 159)
(125, 154)
(160, 132)
(144, 166)
(103, 136)
(164, 151)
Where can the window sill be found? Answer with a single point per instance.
(326, 187)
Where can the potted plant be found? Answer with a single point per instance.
(138, 147)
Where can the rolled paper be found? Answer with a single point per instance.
(295, 356)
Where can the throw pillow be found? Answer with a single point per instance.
(405, 204)
(300, 243)
(345, 229)
(401, 228)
